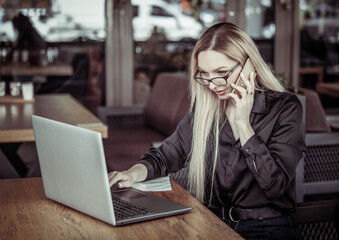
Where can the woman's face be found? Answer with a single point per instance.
(214, 65)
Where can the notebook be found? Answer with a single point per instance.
(74, 173)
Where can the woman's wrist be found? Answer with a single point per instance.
(138, 172)
(245, 131)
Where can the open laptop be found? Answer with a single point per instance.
(74, 173)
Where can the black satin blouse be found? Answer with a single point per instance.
(260, 173)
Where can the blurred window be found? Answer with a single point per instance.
(260, 19)
(165, 32)
(62, 21)
(319, 37)
(160, 12)
(260, 26)
(135, 11)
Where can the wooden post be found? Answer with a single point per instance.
(287, 40)
(119, 53)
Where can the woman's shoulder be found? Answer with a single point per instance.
(282, 100)
(274, 96)
(286, 106)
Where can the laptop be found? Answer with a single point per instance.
(74, 173)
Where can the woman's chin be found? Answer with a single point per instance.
(223, 96)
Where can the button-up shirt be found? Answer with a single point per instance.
(261, 172)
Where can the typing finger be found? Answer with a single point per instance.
(114, 177)
(123, 179)
(125, 184)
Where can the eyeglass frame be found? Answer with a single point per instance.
(211, 80)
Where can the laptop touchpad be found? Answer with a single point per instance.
(127, 193)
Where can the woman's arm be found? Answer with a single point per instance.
(167, 158)
(273, 163)
(171, 155)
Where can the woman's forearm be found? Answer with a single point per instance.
(138, 172)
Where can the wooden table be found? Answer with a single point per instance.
(25, 213)
(331, 89)
(16, 117)
(333, 121)
(26, 69)
(317, 70)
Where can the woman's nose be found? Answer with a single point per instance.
(212, 86)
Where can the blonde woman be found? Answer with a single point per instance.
(241, 143)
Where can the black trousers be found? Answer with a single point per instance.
(280, 228)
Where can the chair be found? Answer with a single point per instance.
(317, 220)
(133, 129)
(165, 108)
(315, 118)
(318, 172)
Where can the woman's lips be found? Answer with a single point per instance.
(220, 93)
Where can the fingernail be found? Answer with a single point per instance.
(232, 84)
(241, 74)
(120, 185)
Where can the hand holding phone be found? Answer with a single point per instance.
(246, 70)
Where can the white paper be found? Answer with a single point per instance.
(155, 185)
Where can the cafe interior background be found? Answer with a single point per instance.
(151, 37)
(108, 53)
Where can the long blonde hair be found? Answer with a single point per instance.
(208, 110)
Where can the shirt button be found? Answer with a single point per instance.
(247, 149)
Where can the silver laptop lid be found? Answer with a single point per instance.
(73, 167)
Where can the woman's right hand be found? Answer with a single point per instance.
(126, 179)
(123, 179)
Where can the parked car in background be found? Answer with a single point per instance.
(68, 23)
(165, 18)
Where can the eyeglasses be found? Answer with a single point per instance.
(218, 81)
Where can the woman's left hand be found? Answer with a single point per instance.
(240, 107)
(243, 105)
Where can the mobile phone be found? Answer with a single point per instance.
(246, 70)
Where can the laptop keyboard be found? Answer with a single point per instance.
(124, 209)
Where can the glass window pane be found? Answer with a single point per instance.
(260, 26)
(319, 39)
(62, 21)
(260, 19)
(158, 11)
(135, 11)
